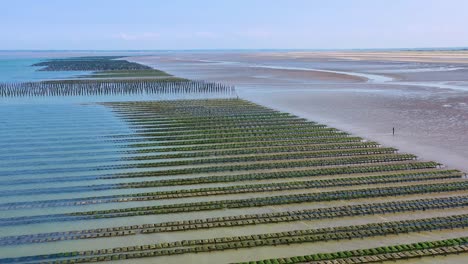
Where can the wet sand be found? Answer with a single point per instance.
(443, 56)
(424, 95)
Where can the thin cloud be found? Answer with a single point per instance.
(194, 35)
(138, 36)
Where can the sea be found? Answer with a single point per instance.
(55, 149)
(52, 149)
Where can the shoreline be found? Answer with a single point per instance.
(172, 178)
(352, 107)
(402, 143)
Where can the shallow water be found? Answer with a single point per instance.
(49, 141)
(45, 142)
(20, 70)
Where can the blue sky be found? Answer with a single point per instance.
(236, 24)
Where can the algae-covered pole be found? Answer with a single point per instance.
(102, 88)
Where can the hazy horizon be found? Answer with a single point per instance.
(234, 49)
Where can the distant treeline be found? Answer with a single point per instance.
(109, 87)
(95, 63)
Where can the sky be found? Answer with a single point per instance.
(231, 24)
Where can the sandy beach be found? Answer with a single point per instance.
(423, 94)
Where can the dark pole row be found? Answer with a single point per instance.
(93, 88)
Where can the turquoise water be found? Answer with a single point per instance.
(48, 149)
(54, 149)
(43, 137)
(20, 70)
(53, 125)
(45, 134)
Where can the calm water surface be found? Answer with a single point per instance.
(20, 70)
(55, 149)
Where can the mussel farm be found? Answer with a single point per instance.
(113, 87)
(209, 181)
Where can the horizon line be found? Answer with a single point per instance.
(237, 49)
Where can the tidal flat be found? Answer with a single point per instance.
(258, 174)
(422, 94)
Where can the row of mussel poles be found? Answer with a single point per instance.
(97, 88)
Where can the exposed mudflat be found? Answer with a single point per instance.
(424, 95)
